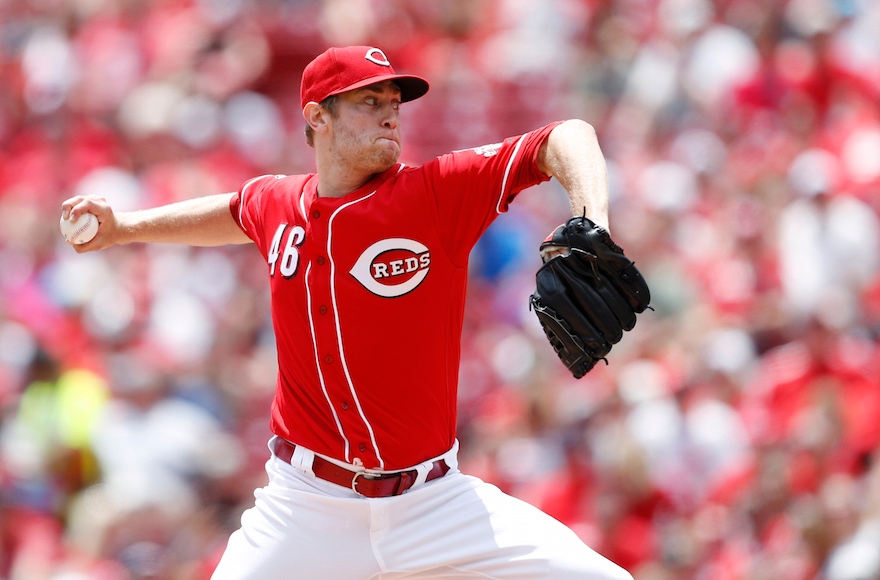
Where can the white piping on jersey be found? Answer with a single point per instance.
(507, 173)
(302, 204)
(241, 201)
(318, 365)
(342, 358)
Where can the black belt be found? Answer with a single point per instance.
(365, 483)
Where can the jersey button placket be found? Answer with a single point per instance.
(324, 327)
(329, 356)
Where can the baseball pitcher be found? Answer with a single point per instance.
(367, 260)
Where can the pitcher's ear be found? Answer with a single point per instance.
(315, 116)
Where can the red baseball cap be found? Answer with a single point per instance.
(338, 70)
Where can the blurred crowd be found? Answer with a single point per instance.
(733, 434)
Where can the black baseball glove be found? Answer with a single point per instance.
(587, 295)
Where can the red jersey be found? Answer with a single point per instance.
(368, 297)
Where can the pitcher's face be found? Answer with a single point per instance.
(365, 132)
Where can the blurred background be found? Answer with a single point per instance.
(733, 434)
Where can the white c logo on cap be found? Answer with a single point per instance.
(371, 56)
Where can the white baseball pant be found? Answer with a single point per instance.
(456, 526)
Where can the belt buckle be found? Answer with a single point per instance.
(365, 474)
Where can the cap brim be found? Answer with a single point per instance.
(411, 87)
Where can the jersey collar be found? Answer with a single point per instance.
(310, 191)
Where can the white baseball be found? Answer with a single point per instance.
(80, 230)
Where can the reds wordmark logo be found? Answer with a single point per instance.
(392, 267)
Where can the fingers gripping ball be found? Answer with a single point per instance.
(81, 230)
(587, 294)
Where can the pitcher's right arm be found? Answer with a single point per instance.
(201, 221)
